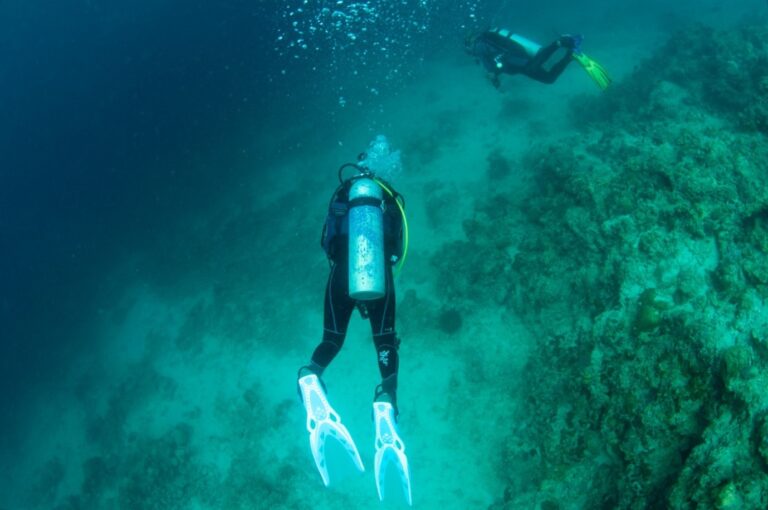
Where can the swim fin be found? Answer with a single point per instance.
(323, 421)
(593, 69)
(389, 449)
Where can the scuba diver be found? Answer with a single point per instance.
(365, 239)
(501, 51)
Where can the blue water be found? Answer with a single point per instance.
(122, 125)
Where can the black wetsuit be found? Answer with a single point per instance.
(339, 306)
(499, 53)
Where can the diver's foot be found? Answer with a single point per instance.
(388, 397)
(311, 369)
(305, 370)
(570, 41)
(383, 397)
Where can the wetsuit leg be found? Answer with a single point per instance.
(536, 70)
(382, 316)
(338, 310)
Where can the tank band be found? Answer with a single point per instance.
(375, 202)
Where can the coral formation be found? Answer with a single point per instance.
(169, 470)
(639, 260)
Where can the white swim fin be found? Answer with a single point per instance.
(390, 449)
(323, 421)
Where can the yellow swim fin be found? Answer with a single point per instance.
(593, 69)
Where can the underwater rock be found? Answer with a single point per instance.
(728, 497)
(762, 434)
(649, 308)
(737, 362)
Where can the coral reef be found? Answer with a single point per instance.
(156, 473)
(724, 72)
(172, 469)
(639, 260)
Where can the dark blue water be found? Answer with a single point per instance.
(110, 123)
(118, 120)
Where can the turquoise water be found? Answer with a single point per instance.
(582, 311)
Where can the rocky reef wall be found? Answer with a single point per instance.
(640, 261)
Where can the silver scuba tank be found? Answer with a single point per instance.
(531, 48)
(367, 277)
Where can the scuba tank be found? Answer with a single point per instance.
(367, 264)
(370, 214)
(531, 48)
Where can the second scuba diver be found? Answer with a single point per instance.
(364, 237)
(503, 52)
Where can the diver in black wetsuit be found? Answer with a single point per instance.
(501, 51)
(365, 235)
(339, 305)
